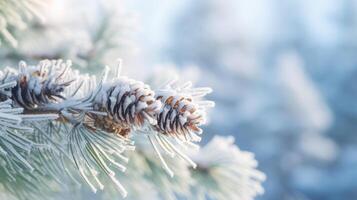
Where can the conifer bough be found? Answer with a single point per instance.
(114, 107)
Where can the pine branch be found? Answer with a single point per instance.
(99, 118)
(95, 124)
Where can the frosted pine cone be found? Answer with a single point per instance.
(40, 84)
(182, 112)
(128, 103)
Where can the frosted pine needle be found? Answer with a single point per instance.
(146, 164)
(98, 152)
(14, 145)
(16, 170)
(225, 172)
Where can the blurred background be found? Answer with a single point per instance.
(284, 74)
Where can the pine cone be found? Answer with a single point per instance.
(40, 84)
(181, 114)
(128, 103)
